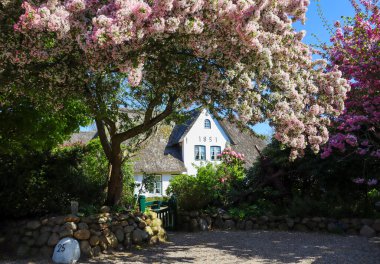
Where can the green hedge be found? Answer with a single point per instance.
(41, 183)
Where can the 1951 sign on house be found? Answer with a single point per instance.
(209, 139)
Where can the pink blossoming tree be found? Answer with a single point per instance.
(356, 51)
(240, 57)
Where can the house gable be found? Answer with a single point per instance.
(199, 135)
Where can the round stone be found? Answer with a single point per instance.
(105, 209)
(82, 226)
(367, 231)
(53, 239)
(119, 235)
(33, 224)
(94, 240)
(85, 248)
(83, 234)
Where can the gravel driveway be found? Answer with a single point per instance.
(252, 247)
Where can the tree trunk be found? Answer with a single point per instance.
(112, 146)
(115, 183)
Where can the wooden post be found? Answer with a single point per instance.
(172, 204)
(142, 203)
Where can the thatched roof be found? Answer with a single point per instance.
(180, 130)
(81, 137)
(243, 141)
(158, 156)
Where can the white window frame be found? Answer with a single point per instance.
(216, 154)
(198, 147)
(208, 122)
(159, 177)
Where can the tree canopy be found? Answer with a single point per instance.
(35, 112)
(241, 57)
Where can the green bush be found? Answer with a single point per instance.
(258, 208)
(320, 187)
(196, 192)
(42, 183)
(214, 185)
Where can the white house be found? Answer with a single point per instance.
(181, 148)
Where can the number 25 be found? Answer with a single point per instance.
(61, 248)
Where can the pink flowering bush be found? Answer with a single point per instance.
(240, 56)
(356, 52)
(232, 159)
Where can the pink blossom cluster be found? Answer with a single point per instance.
(370, 182)
(356, 52)
(250, 56)
(229, 156)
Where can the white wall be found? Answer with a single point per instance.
(198, 135)
(165, 183)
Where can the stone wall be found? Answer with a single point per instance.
(96, 234)
(196, 221)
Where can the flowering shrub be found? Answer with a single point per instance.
(232, 165)
(230, 157)
(243, 55)
(356, 52)
(370, 182)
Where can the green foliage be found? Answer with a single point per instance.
(159, 198)
(195, 192)
(88, 209)
(260, 207)
(27, 127)
(213, 185)
(39, 183)
(148, 182)
(321, 187)
(300, 207)
(127, 198)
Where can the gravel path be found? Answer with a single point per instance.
(252, 247)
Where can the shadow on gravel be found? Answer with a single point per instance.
(222, 247)
(261, 246)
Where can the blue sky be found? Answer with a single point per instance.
(332, 10)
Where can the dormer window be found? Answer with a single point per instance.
(207, 124)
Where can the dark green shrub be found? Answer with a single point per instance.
(41, 183)
(258, 208)
(322, 187)
(196, 192)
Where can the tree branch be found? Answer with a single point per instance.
(151, 106)
(103, 138)
(111, 126)
(121, 137)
